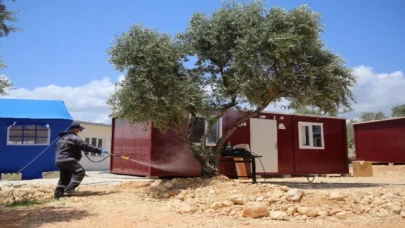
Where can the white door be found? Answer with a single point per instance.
(263, 141)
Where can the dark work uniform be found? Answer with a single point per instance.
(68, 154)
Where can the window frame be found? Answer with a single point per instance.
(90, 142)
(205, 129)
(311, 135)
(22, 136)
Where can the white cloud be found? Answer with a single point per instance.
(373, 92)
(87, 102)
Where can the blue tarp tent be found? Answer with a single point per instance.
(27, 128)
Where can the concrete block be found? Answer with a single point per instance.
(50, 175)
(11, 176)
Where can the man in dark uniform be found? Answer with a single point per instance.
(68, 154)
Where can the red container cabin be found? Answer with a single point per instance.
(290, 145)
(381, 141)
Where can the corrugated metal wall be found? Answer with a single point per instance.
(380, 141)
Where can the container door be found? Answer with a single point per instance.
(263, 140)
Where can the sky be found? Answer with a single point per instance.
(60, 52)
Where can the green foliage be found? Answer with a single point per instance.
(4, 84)
(398, 111)
(5, 28)
(350, 133)
(308, 110)
(370, 116)
(247, 58)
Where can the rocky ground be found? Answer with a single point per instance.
(283, 202)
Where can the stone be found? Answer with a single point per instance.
(169, 184)
(334, 211)
(291, 210)
(238, 199)
(382, 212)
(260, 198)
(378, 202)
(403, 214)
(156, 183)
(294, 195)
(211, 191)
(341, 214)
(395, 209)
(187, 208)
(255, 210)
(388, 195)
(228, 203)
(323, 213)
(284, 188)
(277, 193)
(336, 196)
(216, 205)
(278, 215)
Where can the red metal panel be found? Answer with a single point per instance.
(330, 160)
(381, 141)
(116, 144)
(134, 141)
(172, 157)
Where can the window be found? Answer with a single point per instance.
(311, 135)
(200, 126)
(28, 135)
(95, 142)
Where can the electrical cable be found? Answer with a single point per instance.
(36, 157)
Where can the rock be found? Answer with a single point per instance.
(403, 214)
(211, 191)
(285, 188)
(210, 211)
(255, 210)
(238, 199)
(156, 183)
(334, 211)
(303, 210)
(382, 212)
(323, 213)
(336, 196)
(388, 195)
(278, 215)
(294, 195)
(166, 195)
(169, 184)
(260, 198)
(227, 203)
(395, 209)
(216, 205)
(304, 217)
(277, 193)
(186, 208)
(378, 202)
(291, 210)
(341, 214)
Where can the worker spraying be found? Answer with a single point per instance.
(68, 154)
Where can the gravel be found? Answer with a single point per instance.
(106, 200)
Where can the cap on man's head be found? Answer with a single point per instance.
(76, 126)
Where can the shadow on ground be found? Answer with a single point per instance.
(80, 193)
(317, 185)
(38, 216)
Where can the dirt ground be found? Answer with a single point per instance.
(377, 201)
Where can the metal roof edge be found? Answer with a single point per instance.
(295, 114)
(384, 120)
(92, 123)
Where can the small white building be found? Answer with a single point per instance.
(96, 134)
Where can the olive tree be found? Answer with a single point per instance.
(247, 57)
(5, 29)
(398, 111)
